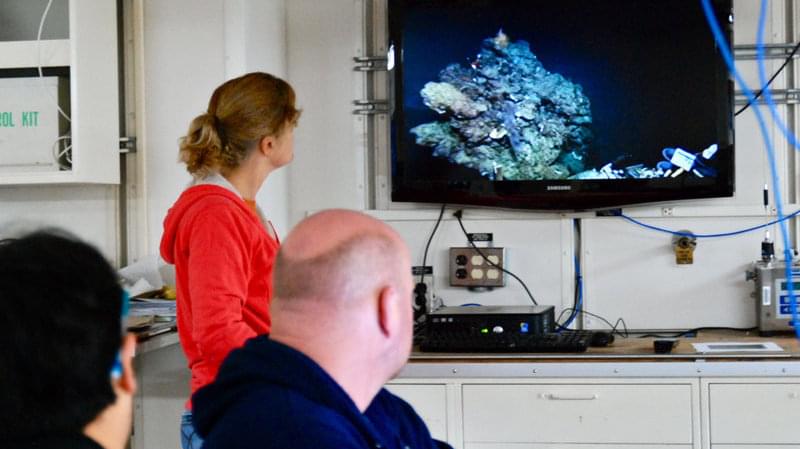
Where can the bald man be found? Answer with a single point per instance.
(342, 327)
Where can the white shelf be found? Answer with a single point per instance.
(47, 53)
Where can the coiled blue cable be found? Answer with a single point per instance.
(728, 57)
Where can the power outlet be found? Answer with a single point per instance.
(426, 299)
(468, 268)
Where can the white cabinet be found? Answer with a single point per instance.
(430, 403)
(566, 414)
(753, 413)
(558, 413)
(85, 64)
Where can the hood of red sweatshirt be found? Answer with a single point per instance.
(191, 202)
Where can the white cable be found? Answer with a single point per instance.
(39, 58)
(66, 152)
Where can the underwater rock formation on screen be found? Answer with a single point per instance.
(506, 116)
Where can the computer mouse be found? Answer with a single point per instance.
(664, 345)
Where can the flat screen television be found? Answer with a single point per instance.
(558, 104)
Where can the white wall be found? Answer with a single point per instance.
(89, 212)
(186, 49)
(328, 170)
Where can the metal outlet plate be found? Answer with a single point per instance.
(468, 268)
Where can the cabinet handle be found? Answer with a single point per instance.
(570, 397)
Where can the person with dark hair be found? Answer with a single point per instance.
(342, 327)
(219, 240)
(65, 363)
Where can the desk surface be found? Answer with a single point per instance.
(635, 349)
(157, 342)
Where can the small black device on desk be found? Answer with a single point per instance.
(503, 329)
(492, 319)
(664, 345)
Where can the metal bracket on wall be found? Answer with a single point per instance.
(127, 145)
(779, 96)
(371, 107)
(370, 63)
(771, 51)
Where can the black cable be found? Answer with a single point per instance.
(698, 329)
(613, 327)
(578, 296)
(428, 245)
(458, 214)
(575, 305)
(775, 75)
(421, 290)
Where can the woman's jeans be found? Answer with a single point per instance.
(189, 438)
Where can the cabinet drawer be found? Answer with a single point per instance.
(430, 403)
(754, 413)
(563, 413)
(751, 446)
(593, 446)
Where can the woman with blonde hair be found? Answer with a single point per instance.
(221, 244)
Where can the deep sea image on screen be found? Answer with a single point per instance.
(507, 116)
(558, 102)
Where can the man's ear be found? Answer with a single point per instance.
(127, 382)
(388, 313)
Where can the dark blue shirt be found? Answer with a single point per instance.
(268, 395)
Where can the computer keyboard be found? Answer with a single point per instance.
(567, 341)
(597, 338)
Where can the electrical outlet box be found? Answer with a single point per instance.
(469, 268)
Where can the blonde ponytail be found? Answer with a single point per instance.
(240, 113)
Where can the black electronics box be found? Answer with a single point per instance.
(475, 320)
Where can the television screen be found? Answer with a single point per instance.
(558, 104)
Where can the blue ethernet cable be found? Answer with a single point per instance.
(728, 57)
(708, 236)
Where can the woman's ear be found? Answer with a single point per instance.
(266, 145)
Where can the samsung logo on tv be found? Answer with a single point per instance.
(559, 188)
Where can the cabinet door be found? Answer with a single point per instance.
(754, 413)
(578, 414)
(78, 55)
(430, 402)
(753, 446)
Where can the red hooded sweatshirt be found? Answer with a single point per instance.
(223, 259)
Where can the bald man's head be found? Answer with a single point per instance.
(337, 256)
(343, 298)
